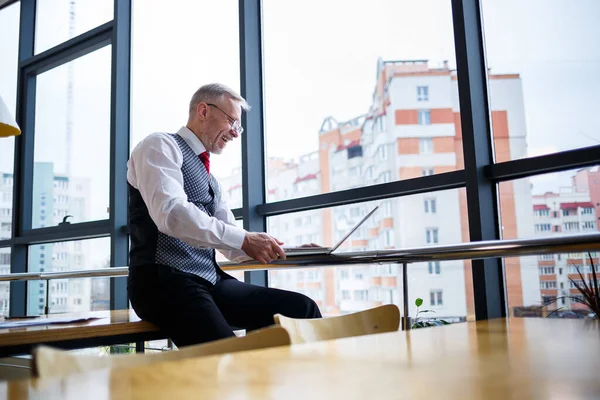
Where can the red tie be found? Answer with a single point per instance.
(205, 158)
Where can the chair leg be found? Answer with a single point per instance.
(140, 347)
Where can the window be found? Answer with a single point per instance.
(548, 285)
(336, 279)
(571, 226)
(9, 50)
(385, 177)
(354, 172)
(152, 55)
(546, 257)
(427, 171)
(573, 43)
(425, 145)
(587, 211)
(547, 271)
(85, 16)
(542, 212)
(387, 208)
(90, 79)
(588, 225)
(576, 269)
(382, 151)
(355, 151)
(360, 295)
(431, 235)
(422, 93)
(543, 227)
(434, 267)
(94, 254)
(388, 238)
(345, 295)
(436, 298)
(424, 117)
(430, 206)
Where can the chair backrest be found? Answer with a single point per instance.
(376, 320)
(50, 362)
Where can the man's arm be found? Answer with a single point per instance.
(223, 213)
(259, 246)
(155, 170)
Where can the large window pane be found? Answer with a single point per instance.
(169, 64)
(9, 32)
(543, 206)
(430, 219)
(4, 286)
(545, 87)
(72, 137)
(69, 295)
(60, 20)
(350, 102)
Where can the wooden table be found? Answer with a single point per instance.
(111, 327)
(518, 359)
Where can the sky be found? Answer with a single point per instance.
(320, 60)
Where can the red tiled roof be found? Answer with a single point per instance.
(565, 206)
(540, 207)
(306, 178)
(351, 144)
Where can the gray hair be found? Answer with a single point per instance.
(213, 93)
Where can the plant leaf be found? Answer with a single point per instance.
(424, 311)
(555, 311)
(596, 285)
(419, 302)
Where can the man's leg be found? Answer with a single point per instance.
(252, 307)
(180, 304)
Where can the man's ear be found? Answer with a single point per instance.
(202, 111)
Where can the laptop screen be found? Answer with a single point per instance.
(338, 244)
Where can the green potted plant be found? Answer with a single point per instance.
(424, 324)
(590, 291)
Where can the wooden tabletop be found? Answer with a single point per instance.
(105, 324)
(497, 359)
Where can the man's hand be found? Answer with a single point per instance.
(262, 247)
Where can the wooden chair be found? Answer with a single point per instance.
(50, 362)
(376, 320)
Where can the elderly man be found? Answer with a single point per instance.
(177, 219)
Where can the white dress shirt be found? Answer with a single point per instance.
(154, 169)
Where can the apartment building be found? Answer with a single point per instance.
(54, 197)
(571, 210)
(412, 129)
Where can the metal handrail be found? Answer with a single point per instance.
(463, 251)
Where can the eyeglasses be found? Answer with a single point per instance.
(235, 125)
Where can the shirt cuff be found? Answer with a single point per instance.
(234, 236)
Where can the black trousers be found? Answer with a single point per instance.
(191, 310)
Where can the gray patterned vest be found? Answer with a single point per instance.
(149, 246)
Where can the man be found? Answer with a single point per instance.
(177, 219)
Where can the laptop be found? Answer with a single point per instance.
(307, 251)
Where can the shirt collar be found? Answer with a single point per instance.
(192, 140)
